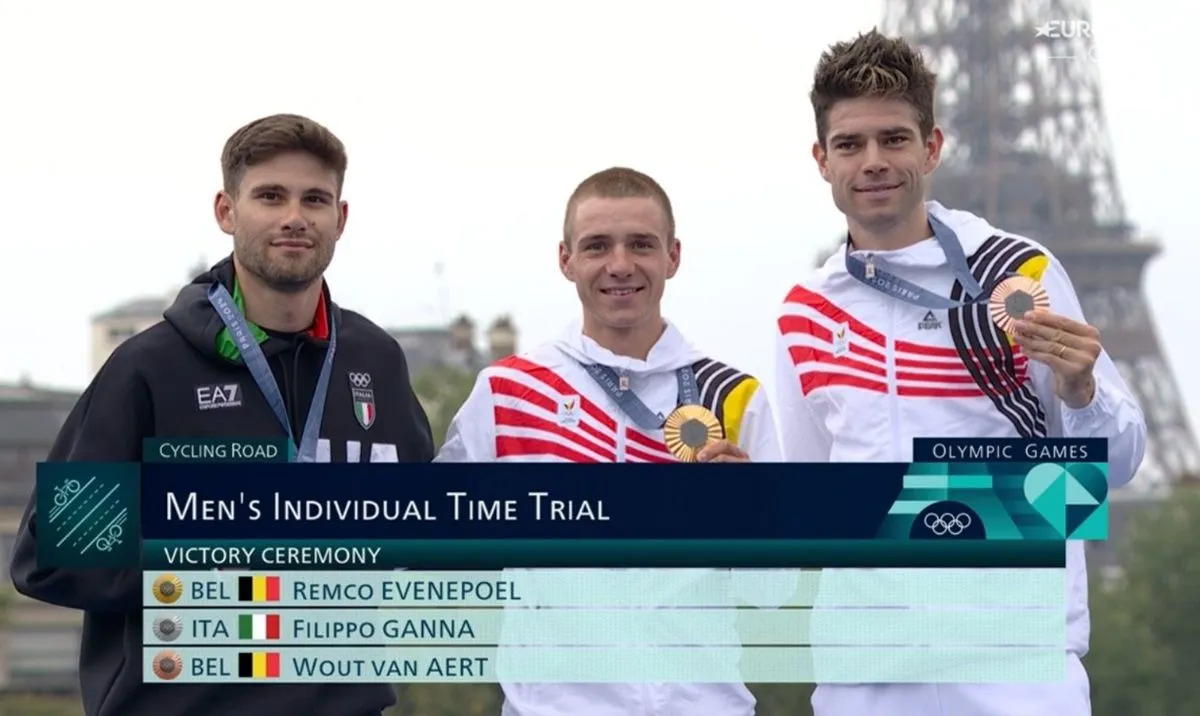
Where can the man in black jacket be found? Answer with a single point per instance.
(244, 351)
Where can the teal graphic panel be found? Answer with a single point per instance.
(1001, 501)
(88, 515)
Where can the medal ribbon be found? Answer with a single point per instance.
(256, 362)
(632, 405)
(909, 292)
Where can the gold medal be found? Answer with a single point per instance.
(167, 665)
(167, 589)
(1013, 298)
(689, 429)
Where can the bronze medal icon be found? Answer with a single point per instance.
(167, 589)
(689, 429)
(1013, 298)
(167, 665)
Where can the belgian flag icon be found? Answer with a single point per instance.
(258, 589)
(258, 665)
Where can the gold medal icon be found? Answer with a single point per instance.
(167, 589)
(689, 429)
(167, 665)
(1013, 298)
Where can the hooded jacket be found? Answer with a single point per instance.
(159, 383)
(543, 406)
(860, 374)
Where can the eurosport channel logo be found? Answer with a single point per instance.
(1083, 49)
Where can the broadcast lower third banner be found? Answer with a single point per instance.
(627, 626)
(897, 589)
(602, 553)
(686, 664)
(963, 503)
(698, 627)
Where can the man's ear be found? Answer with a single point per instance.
(822, 160)
(564, 261)
(933, 149)
(223, 211)
(674, 254)
(343, 217)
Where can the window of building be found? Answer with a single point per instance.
(8, 543)
(18, 467)
(117, 334)
(43, 655)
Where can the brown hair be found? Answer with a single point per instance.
(618, 183)
(873, 65)
(268, 137)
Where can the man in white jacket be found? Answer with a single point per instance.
(893, 339)
(569, 401)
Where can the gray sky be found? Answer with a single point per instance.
(468, 124)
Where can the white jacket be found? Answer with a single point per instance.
(860, 374)
(542, 406)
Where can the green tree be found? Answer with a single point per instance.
(1144, 632)
(447, 700)
(39, 705)
(442, 390)
(17, 704)
(782, 699)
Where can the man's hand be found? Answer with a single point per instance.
(722, 451)
(1068, 347)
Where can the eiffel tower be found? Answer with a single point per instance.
(1027, 148)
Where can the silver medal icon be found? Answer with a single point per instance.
(168, 628)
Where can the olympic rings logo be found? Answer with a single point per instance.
(947, 523)
(360, 380)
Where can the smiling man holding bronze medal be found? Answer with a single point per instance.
(621, 386)
(930, 322)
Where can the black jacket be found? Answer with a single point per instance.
(154, 385)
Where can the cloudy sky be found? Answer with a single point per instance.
(468, 124)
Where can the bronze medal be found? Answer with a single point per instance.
(167, 665)
(688, 429)
(1013, 298)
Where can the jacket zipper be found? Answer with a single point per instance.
(621, 427)
(647, 690)
(893, 388)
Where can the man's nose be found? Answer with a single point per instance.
(294, 221)
(874, 162)
(620, 262)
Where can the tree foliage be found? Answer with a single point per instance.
(39, 705)
(442, 390)
(1144, 632)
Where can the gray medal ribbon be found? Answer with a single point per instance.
(631, 405)
(888, 283)
(256, 362)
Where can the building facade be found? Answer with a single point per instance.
(112, 328)
(39, 646)
(456, 345)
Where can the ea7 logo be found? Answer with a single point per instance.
(211, 397)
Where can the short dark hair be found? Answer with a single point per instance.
(873, 65)
(618, 183)
(268, 137)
